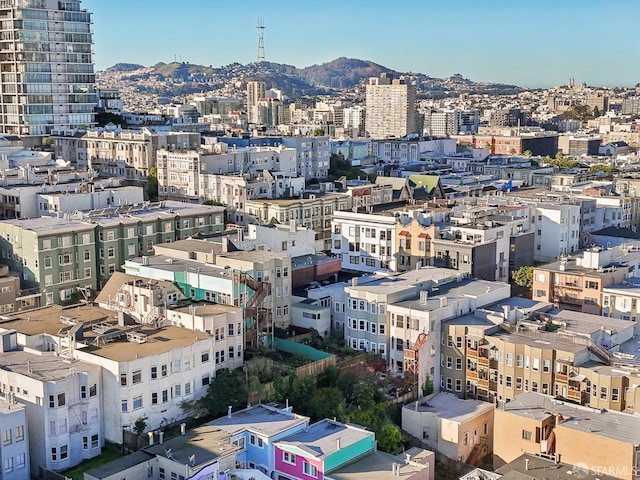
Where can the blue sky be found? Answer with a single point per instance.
(532, 43)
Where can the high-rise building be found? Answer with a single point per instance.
(48, 80)
(255, 92)
(391, 107)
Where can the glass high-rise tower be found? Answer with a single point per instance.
(47, 76)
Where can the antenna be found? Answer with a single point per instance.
(260, 28)
(192, 459)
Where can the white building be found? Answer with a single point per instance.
(14, 447)
(557, 230)
(62, 399)
(364, 242)
(391, 107)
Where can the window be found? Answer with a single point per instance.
(546, 366)
(615, 396)
(64, 452)
(458, 363)
(204, 356)
(154, 398)
(187, 388)
(137, 402)
(165, 396)
(526, 435)
(62, 399)
(309, 469)
(154, 373)
(124, 405)
(205, 380)
(20, 431)
(163, 370)
(136, 377)
(161, 474)
(7, 437)
(54, 454)
(8, 464)
(289, 458)
(603, 393)
(123, 379)
(20, 461)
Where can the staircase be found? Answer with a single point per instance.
(261, 316)
(478, 452)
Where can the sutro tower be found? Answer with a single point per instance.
(260, 28)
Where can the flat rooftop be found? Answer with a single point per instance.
(46, 367)
(616, 425)
(261, 419)
(321, 438)
(172, 264)
(543, 469)
(587, 324)
(547, 342)
(381, 282)
(48, 319)
(378, 466)
(466, 287)
(202, 308)
(448, 405)
(206, 442)
(7, 408)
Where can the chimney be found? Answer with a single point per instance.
(183, 428)
(150, 438)
(354, 282)
(443, 302)
(229, 411)
(526, 464)
(424, 296)
(225, 244)
(161, 437)
(293, 226)
(338, 444)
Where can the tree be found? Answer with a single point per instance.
(327, 403)
(390, 438)
(427, 386)
(602, 168)
(373, 417)
(527, 153)
(152, 184)
(523, 276)
(227, 389)
(139, 426)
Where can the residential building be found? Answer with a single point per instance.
(391, 109)
(14, 448)
(592, 439)
(320, 449)
(256, 91)
(392, 150)
(576, 283)
(62, 401)
(11, 298)
(364, 242)
(461, 430)
(414, 463)
(557, 230)
(49, 91)
(313, 211)
(256, 430)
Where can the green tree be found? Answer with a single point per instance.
(427, 386)
(152, 184)
(523, 276)
(228, 388)
(390, 438)
(327, 403)
(527, 153)
(374, 417)
(329, 377)
(140, 425)
(302, 391)
(345, 383)
(363, 394)
(602, 168)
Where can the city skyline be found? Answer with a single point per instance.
(538, 44)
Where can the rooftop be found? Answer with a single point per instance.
(260, 419)
(382, 282)
(379, 466)
(449, 406)
(325, 437)
(45, 367)
(543, 469)
(206, 443)
(7, 408)
(616, 425)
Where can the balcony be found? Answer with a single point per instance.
(483, 362)
(472, 374)
(562, 377)
(574, 395)
(472, 353)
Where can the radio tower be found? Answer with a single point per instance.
(260, 28)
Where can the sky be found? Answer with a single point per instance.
(530, 43)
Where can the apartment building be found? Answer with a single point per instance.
(461, 430)
(113, 151)
(557, 230)
(14, 448)
(576, 283)
(364, 242)
(52, 90)
(391, 107)
(62, 399)
(521, 346)
(414, 322)
(65, 256)
(320, 449)
(256, 430)
(313, 211)
(590, 439)
(392, 150)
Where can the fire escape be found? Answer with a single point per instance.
(261, 323)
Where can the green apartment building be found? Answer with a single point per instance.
(64, 255)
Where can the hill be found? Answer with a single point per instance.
(342, 72)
